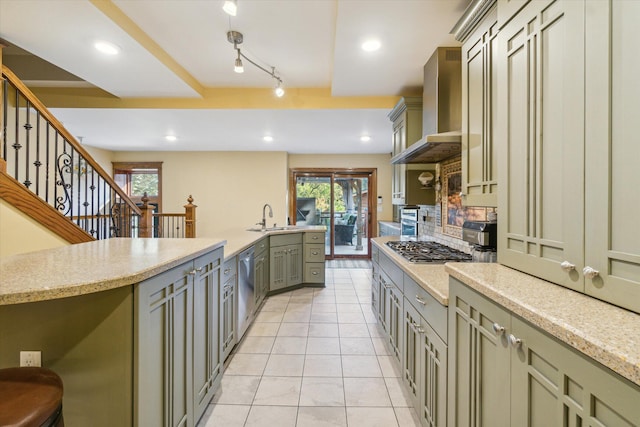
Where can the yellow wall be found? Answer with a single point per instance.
(22, 234)
(103, 157)
(229, 188)
(378, 161)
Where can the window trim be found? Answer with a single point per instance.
(120, 167)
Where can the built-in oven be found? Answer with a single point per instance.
(409, 221)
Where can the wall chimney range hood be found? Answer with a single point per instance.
(441, 110)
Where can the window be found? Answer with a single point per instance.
(136, 178)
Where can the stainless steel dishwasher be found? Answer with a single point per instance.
(245, 290)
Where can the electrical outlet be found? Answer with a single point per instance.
(30, 358)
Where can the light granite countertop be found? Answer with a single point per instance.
(431, 277)
(92, 267)
(604, 332)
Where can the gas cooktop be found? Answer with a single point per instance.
(427, 252)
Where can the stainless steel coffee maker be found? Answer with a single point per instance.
(483, 236)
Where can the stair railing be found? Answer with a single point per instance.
(41, 154)
(168, 225)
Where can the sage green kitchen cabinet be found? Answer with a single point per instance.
(314, 263)
(541, 71)
(570, 104)
(285, 261)
(393, 324)
(207, 339)
(507, 9)
(229, 302)
(612, 199)
(479, 107)
(375, 281)
(261, 272)
(478, 376)
(406, 117)
(424, 367)
(177, 365)
(503, 371)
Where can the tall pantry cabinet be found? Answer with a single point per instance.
(568, 101)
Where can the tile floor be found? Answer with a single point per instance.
(314, 357)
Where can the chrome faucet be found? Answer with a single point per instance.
(263, 223)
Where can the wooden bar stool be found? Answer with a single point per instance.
(30, 397)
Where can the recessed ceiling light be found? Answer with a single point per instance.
(171, 138)
(107, 48)
(267, 138)
(365, 138)
(371, 45)
(231, 7)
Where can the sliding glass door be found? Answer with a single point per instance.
(339, 200)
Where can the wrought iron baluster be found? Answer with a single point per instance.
(46, 169)
(37, 163)
(5, 107)
(27, 126)
(16, 145)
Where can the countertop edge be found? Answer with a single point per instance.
(558, 328)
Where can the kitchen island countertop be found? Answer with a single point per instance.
(97, 266)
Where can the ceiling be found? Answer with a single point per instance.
(174, 73)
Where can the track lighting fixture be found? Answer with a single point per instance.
(231, 7)
(237, 38)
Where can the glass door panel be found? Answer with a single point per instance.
(351, 205)
(313, 204)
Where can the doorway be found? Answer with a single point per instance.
(341, 200)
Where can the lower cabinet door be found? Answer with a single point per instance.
(432, 409)
(553, 385)
(207, 355)
(479, 357)
(411, 355)
(395, 323)
(163, 343)
(228, 318)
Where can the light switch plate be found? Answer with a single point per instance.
(30, 358)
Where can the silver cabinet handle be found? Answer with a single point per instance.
(590, 272)
(420, 300)
(192, 272)
(314, 253)
(515, 342)
(227, 271)
(199, 269)
(315, 237)
(315, 273)
(418, 327)
(567, 266)
(387, 286)
(498, 329)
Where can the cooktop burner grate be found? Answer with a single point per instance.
(427, 252)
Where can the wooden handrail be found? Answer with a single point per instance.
(44, 112)
(175, 215)
(33, 206)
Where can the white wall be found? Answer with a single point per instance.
(229, 188)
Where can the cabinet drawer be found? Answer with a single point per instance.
(313, 253)
(229, 268)
(393, 271)
(261, 246)
(286, 239)
(433, 312)
(314, 237)
(314, 272)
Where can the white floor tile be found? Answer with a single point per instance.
(371, 417)
(322, 365)
(237, 389)
(310, 416)
(263, 330)
(323, 345)
(407, 417)
(348, 308)
(269, 316)
(361, 366)
(366, 392)
(293, 330)
(353, 330)
(397, 393)
(380, 346)
(356, 317)
(269, 416)
(322, 391)
(256, 345)
(325, 330)
(323, 318)
(289, 345)
(225, 415)
(323, 308)
(284, 365)
(247, 364)
(280, 391)
(296, 316)
(389, 366)
(361, 346)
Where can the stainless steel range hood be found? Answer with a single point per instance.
(442, 110)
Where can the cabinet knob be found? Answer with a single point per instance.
(314, 253)
(515, 342)
(227, 271)
(567, 266)
(420, 300)
(590, 272)
(192, 272)
(498, 329)
(315, 273)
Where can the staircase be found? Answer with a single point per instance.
(47, 174)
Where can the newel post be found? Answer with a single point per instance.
(190, 218)
(145, 228)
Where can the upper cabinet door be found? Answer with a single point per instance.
(508, 8)
(612, 239)
(479, 76)
(540, 129)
